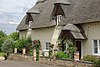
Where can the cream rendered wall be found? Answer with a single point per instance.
(23, 34)
(92, 31)
(43, 34)
(55, 36)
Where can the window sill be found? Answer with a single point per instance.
(96, 54)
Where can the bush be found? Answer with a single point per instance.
(23, 43)
(90, 58)
(8, 46)
(14, 36)
(61, 55)
(30, 52)
(97, 64)
(2, 38)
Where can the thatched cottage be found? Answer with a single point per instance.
(74, 19)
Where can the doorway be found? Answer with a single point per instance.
(78, 46)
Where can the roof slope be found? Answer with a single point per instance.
(80, 11)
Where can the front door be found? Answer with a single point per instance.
(78, 46)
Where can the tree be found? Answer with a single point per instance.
(8, 46)
(2, 38)
(14, 36)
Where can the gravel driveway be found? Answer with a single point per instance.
(22, 64)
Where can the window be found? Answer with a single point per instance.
(30, 23)
(47, 45)
(96, 47)
(58, 19)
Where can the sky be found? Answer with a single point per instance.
(12, 12)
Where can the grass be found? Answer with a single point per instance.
(2, 54)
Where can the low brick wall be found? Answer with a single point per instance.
(20, 57)
(68, 63)
(51, 61)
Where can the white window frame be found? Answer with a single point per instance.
(58, 19)
(30, 23)
(98, 47)
(47, 45)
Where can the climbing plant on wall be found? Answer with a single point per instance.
(37, 47)
(62, 44)
(51, 49)
(70, 47)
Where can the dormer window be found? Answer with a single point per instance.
(29, 19)
(58, 19)
(58, 13)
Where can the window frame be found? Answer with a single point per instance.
(98, 47)
(58, 19)
(47, 47)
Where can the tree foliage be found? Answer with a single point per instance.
(23, 43)
(2, 38)
(14, 36)
(8, 46)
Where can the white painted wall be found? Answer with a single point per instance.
(50, 34)
(92, 31)
(43, 34)
(55, 36)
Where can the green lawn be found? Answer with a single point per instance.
(2, 54)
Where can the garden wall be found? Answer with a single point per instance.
(20, 57)
(51, 61)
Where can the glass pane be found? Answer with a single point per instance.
(99, 47)
(99, 43)
(95, 46)
(47, 45)
(95, 43)
(95, 50)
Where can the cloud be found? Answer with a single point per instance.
(12, 22)
(12, 11)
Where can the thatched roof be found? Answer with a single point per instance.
(72, 27)
(75, 32)
(34, 11)
(79, 11)
(66, 2)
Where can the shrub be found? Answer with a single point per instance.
(23, 43)
(30, 52)
(61, 55)
(8, 46)
(90, 58)
(97, 64)
(2, 38)
(14, 36)
(94, 59)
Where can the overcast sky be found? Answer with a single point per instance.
(12, 12)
